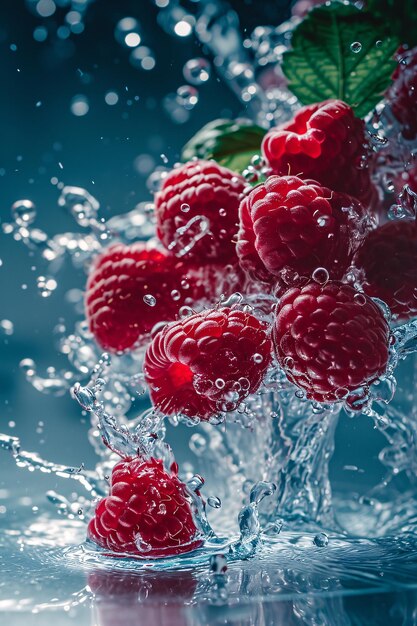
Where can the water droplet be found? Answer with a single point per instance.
(198, 443)
(214, 502)
(197, 71)
(185, 207)
(175, 295)
(126, 32)
(6, 327)
(321, 540)
(356, 47)
(218, 564)
(79, 105)
(320, 275)
(257, 358)
(23, 212)
(187, 97)
(46, 285)
(360, 299)
(149, 300)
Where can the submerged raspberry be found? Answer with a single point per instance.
(197, 211)
(147, 512)
(132, 288)
(324, 141)
(330, 339)
(290, 227)
(207, 363)
(402, 95)
(388, 259)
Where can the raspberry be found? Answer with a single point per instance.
(402, 95)
(197, 210)
(147, 512)
(132, 288)
(330, 339)
(207, 363)
(325, 142)
(388, 260)
(290, 227)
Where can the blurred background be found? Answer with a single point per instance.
(90, 98)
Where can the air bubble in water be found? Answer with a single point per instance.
(46, 285)
(149, 300)
(23, 212)
(175, 295)
(321, 540)
(197, 71)
(356, 47)
(187, 97)
(258, 358)
(197, 444)
(6, 327)
(185, 207)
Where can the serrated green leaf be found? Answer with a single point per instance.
(230, 143)
(322, 64)
(400, 17)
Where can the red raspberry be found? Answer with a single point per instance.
(330, 339)
(132, 288)
(388, 259)
(147, 512)
(207, 363)
(199, 189)
(402, 95)
(324, 141)
(290, 227)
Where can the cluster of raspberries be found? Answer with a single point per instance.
(296, 236)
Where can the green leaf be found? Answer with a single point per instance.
(322, 64)
(230, 143)
(400, 17)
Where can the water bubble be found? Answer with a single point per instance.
(46, 285)
(175, 295)
(321, 540)
(185, 207)
(6, 327)
(219, 382)
(23, 212)
(257, 358)
(320, 275)
(197, 71)
(149, 300)
(356, 47)
(214, 502)
(187, 97)
(185, 311)
(46, 8)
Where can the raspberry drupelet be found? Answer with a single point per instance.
(147, 512)
(330, 339)
(290, 227)
(325, 142)
(207, 363)
(197, 211)
(388, 259)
